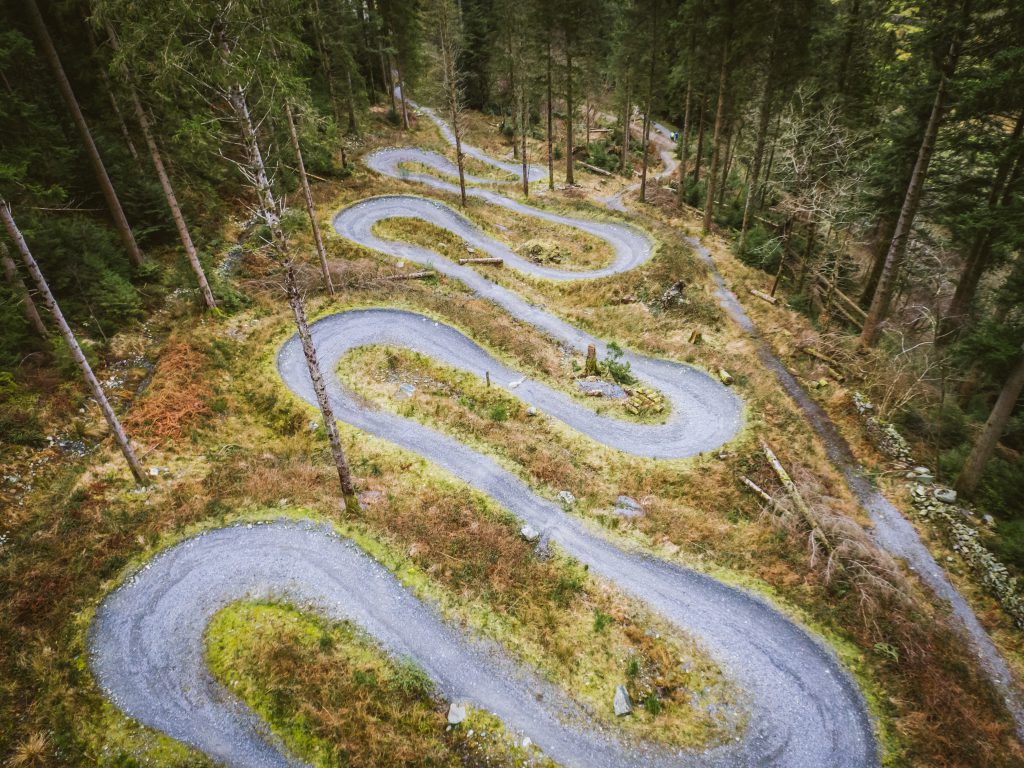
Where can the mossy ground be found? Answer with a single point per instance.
(75, 524)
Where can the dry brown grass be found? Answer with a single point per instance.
(178, 397)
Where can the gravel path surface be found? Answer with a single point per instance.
(803, 710)
(892, 531)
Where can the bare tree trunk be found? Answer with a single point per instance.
(647, 114)
(105, 81)
(782, 255)
(701, 125)
(165, 183)
(644, 138)
(588, 121)
(451, 84)
(307, 194)
(405, 104)
(28, 306)
(76, 351)
(627, 111)
(764, 115)
(723, 78)
(260, 181)
(684, 144)
(901, 237)
(569, 116)
(1000, 196)
(113, 203)
(985, 445)
(525, 127)
(551, 123)
(326, 411)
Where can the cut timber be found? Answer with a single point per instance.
(412, 275)
(757, 489)
(725, 376)
(695, 336)
(764, 296)
(594, 169)
(495, 261)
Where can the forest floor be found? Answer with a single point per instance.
(230, 443)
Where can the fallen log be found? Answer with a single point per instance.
(484, 260)
(794, 494)
(595, 169)
(812, 352)
(412, 275)
(757, 489)
(764, 296)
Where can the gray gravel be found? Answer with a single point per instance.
(803, 709)
(892, 531)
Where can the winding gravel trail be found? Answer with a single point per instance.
(803, 710)
(892, 531)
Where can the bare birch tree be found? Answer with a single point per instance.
(254, 170)
(445, 19)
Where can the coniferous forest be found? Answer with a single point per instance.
(479, 382)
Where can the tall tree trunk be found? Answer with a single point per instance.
(569, 116)
(644, 141)
(627, 112)
(647, 113)
(763, 117)
(1000, 196)
(307, 194)
(723, 186)
(28, 306)
(587, 107)
(105, 82)
(985, 445)
(885, 229)
(405, 104)
(723, 78)
(165, 182)
(698, 158)
(525, 129)
(113, 203)
(901, 237)
(348, 491)
(786, 229)
(551, 123)
(451, 85)
(76, 351)
(257, 173)
(684, 144)
(763, 191)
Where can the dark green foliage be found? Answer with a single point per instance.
(18, 421)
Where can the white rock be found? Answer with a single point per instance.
(456, 713)
(529, 533)
(566, 498)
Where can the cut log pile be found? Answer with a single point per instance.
(644, 401)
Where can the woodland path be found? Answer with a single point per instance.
(892, 531)
(803, 710)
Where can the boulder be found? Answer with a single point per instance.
(945, 495)
(622, 703)
(627, 506)
(529, 533)
(456, 713)
(566, 498)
